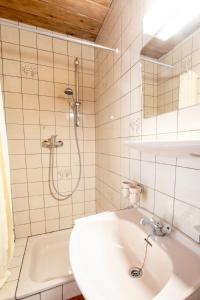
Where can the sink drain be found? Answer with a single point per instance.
(135, 272)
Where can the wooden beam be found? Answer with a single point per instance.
(46, 23)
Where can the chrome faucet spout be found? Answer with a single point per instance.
(157, 227)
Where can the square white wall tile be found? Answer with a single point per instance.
(187, 186)
(164, 207)
(186, 219)
(148, 174)
(188, 118)
(22, 230)
(187, 162)
(147, 199)
(149, 126)
(167, 122)
(165, 179)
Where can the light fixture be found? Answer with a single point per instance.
(159, 14)
(186, 15)
(168, 17)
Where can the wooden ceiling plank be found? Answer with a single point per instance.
(80, 18)
(45, 10)
(87, 8)
(106, 3)
(46, 23)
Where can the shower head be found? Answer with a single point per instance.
(68, 91)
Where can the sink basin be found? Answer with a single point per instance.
(104, 247)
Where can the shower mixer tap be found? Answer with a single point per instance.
(52, 142)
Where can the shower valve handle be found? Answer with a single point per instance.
(52, 143)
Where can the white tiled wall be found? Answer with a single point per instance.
(34, 72)
(171, 184)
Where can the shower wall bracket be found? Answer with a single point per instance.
(52, 142)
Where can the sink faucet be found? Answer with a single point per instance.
(157, 227)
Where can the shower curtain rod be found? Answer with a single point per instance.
(154, 61)
(58, 36)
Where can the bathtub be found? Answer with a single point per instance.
(46, 263)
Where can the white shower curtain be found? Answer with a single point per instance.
(6, 219)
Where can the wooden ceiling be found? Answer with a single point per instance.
(79, 18)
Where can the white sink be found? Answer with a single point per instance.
(104, 247)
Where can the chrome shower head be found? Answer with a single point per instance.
(68, 92)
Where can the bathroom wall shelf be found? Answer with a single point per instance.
(167, 148)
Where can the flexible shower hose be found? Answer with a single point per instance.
(62, 197)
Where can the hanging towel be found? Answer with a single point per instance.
(188, 89)
(6, 218)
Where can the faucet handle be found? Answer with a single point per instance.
(143, 221)
(154, 220)
(157, 227)
(166, 228)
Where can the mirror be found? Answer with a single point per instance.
(171, 72)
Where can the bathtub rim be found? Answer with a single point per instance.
(25, 288)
